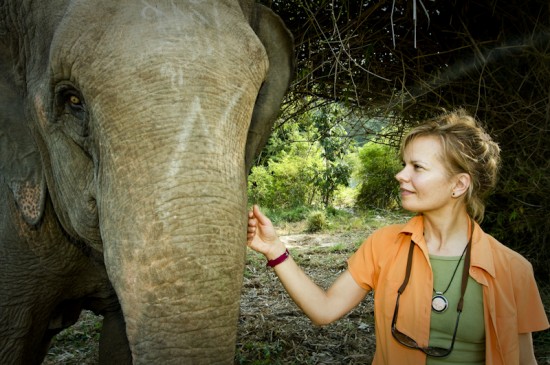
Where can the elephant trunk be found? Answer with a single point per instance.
(172, 209)
(176, 262)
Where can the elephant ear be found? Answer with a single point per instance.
(279, 45)
(20, 163)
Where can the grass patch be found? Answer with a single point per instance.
(77, 345)
(259, 353)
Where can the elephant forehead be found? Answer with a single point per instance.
(187, 33)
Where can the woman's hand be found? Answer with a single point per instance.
(262, 236)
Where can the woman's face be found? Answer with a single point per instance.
(424, 181)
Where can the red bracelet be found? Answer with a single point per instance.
(278, 260)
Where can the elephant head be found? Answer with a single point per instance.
(127, 129)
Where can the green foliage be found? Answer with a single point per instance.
(285, 183)
(258, 353)
(296, 214)
(316, 221)
(309, 163)
(378, 188)
(334, 147)
(304, 163)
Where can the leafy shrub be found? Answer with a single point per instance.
(286, 182)
(378, 188)
(304, 162)
(296, 214)
(316, 221)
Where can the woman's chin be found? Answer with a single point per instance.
(409, 207)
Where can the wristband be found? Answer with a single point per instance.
(278, 260)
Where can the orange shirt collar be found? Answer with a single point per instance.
(482, 254)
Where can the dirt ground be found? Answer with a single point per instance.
(271, 329)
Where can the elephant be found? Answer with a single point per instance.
(127, 130)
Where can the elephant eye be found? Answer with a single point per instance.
(70, 102)
(74, 102)
(71, 110)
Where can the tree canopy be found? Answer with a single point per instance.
(405, 60)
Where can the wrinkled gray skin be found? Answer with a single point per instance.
(126, 132)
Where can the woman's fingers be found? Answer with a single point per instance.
(262, 219)
(260, 231)
(251, 230)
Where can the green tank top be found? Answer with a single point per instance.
(469, 347)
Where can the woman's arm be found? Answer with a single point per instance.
(526, 351)
(322, 307)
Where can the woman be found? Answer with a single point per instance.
(444, 291)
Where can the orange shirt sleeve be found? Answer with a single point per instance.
(361, 265)
(364, 265)
(531, 316)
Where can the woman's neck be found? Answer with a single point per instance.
(446, 236)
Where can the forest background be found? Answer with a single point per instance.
(366, 71)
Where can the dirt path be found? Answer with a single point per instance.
(272, 330)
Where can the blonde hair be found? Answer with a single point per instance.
(467, 148)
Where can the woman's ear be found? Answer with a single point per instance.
(462, 184)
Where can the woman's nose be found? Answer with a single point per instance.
(401, 176)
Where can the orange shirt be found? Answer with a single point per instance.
(511, 299)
